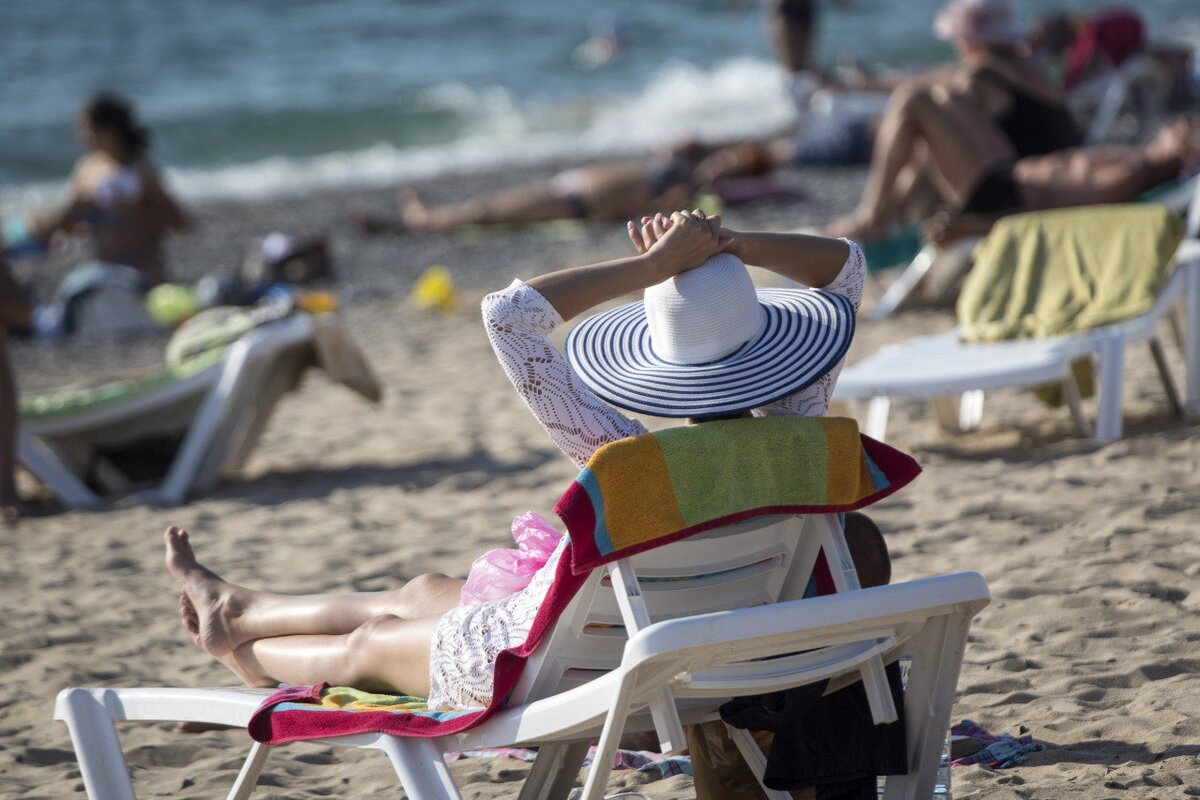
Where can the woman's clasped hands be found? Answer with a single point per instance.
(681, 241)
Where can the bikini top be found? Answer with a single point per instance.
(1035, 126)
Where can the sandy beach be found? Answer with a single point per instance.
(1091, 552)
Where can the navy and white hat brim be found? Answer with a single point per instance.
(807, 332)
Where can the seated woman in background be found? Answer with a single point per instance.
(608, 191)
(955, 136)
(423, 638)
(1079, 177)
(15, 312)
(115, 197)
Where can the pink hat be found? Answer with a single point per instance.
(978, 22)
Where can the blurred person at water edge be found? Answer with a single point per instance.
(115, 197)
(950, 141)
(15, 311)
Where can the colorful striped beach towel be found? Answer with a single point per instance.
(633, 495)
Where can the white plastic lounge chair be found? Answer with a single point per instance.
(1105, 99)
(218, 408)
(634, 653)
(956, 258)
(942, 367)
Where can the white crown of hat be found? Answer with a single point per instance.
(704, 314)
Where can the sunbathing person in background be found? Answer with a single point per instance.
(954, 137)
(115, 197)
(15, 311)
(1079, 177)
(422, 638)
(609, 191)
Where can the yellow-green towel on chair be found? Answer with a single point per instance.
(1050, 273)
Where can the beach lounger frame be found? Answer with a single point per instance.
(651, 642)
(954, 375)
(956, 257)
(228, 403)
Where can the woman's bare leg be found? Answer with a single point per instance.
(385, 653)
(222, 616)
(962, 146)
(536, 203)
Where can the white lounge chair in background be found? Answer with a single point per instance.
(212, 412)
(945, 370)
(636, 652)
(954, 259)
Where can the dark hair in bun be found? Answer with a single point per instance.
(114, 113)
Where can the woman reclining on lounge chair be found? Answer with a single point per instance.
(1079, 177)
(419, 639)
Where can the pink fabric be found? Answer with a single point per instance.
(505, 571)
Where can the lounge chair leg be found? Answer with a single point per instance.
(1075, 403)
(251, 769)
(421, 768)
(937, 659)
(41, 461)
(1191, 350)
(970, 410)
(905, 284)
(610, 736)
(845, 579)
(877, 417)
(945, 411)
(97, 748)
(554, 771)
(636, 616)
(1112, 379)
(755, 760)
(1164, 372)
(209, 417)
(1178, 327)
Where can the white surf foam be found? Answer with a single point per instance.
(741, 98)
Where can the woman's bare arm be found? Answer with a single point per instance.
(810, 260)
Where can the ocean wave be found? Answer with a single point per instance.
(744, 97)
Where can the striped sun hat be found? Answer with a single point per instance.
(707, 343)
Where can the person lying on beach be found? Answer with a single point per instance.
(420, 639)
(115, 197)
(955, 136)
(15, 312)
(608, 191)
(1079, 177)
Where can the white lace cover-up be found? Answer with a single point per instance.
(519, 320)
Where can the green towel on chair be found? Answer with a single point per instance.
(1068, 271)
(1059, 272)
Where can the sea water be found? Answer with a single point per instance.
(253, 98)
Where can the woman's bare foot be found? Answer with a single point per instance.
(856, 226)
(414, 214)
(208, 605)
